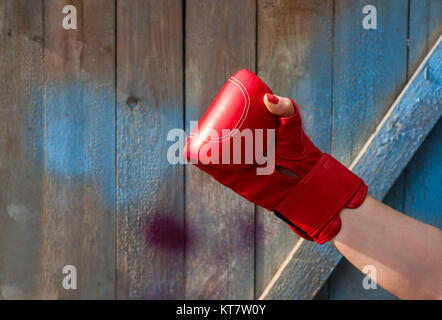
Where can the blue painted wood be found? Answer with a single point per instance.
(418, 196)
(423, 176)
(295, 60)
(150, 217)
(423, 172)
(67, 216)
(79, 202)
(424, 28)
(379, 163)
(359, 100)
(369, 71)
(405, 128)
(21, 148)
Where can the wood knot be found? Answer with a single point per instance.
(132, 102)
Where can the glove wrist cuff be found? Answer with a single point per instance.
(313, 206)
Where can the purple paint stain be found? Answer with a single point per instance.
(167, 233)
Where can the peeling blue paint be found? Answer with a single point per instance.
(405, 129)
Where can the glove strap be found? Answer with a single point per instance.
(314, 204)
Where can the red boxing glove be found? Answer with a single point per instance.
(229, 143)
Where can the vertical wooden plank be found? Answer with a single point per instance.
(424, 29)
(369, 71)
(295, 60)
(220, 225)
(423, 177)
(150, 229)
(425, 25)
(79, 217)
(346, 284)
(423, 172)
(21, 147)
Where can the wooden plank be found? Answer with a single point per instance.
(423, 171)
(295, 60)
(150, 226)
(361, 59)
(79, 215)
(423, 177)
(21, 148)
(346, 284)
(424, 28)
(369, 71)
(417, 109)
(379, 163)
(417, 196)
(220, 39)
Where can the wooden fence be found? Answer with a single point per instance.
(84, 117)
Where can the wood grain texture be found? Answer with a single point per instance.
(417, 196)
(220, 225)
(423, 177)
(295, 60)
(305, 273)
(346, 284)
(150, 225)
(379, 163)
(423, 172)
(411, 118)
(425, 25)
(21, 148)
(79, 215)
(369, 71)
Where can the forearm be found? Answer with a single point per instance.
(407, 253)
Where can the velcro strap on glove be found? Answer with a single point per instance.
(314, 204)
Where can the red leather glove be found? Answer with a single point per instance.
(310, 203)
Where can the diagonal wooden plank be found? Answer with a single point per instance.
(424, 27)
(379, 162)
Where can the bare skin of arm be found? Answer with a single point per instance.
(406, 253)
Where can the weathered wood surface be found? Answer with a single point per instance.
(408, 122)
(84, 116)
(220, 225)
(79, 184)
(425, 26)
(423, 177)
(379, 163)
(295, 60)
(359, 100)
(21, 148)
(418, 196)
(369, 69)
(150, 194)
